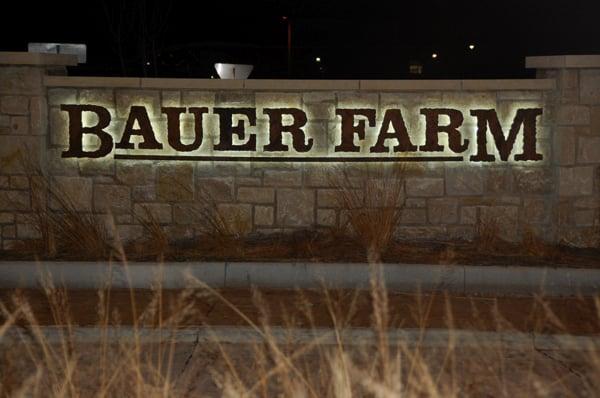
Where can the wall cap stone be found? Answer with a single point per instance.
(410, 85)
(302, 85)
(26, 58)
(174, 83)
(509, 84)
(563, 61)
(85, 81)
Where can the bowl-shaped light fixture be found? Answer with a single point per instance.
(233, 71)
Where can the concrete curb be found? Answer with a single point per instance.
(497, 280)
(429, 338)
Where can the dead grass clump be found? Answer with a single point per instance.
(533, 246)
(223, 228)
(487, 233)
(78, 235)
(216, 221)
(449, 255)
(156, 242)
(373, 212)
(63, 229)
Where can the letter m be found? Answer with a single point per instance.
(505, 144)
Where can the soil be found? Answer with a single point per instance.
(313, 308)
(324, 247)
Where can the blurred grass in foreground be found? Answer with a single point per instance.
(386, 367)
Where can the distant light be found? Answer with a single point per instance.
(284, 18)
(318, 59)
(212, 76)
(471, 46)
(147, 63)
(434, 55)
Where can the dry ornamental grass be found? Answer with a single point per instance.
(385, 366)
(370, 202)
(373, 212)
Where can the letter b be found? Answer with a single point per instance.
(77, 130)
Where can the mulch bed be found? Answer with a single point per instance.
(351, 308)
(322, 247)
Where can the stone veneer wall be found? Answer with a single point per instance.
(559, 199)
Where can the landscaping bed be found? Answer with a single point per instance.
(315, 308)
(325, 247)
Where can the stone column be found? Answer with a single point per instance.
(576, 144)
(23, 127)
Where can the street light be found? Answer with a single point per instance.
(471, 46)
(434, 55)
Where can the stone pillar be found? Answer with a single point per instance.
(23, 126)
(576, 144)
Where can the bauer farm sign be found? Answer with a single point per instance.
(284, 134)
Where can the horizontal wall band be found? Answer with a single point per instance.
(283, 159)
(301, 85)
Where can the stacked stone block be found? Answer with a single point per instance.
(23, 125)
(442, 201)
(577, 164)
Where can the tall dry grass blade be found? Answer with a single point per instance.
(217, 223)
(62, 226)
(374, 208)
(340, 380)
(156, 243)
(379, 296)
(487, 236)
(31, 385)
(225, 230)
(286, 361)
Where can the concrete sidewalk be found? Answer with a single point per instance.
(326, 336)
(458, 279)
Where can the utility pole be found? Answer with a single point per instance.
(289, 45)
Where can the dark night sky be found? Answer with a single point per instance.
(364, 39)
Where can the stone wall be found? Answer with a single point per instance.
(558, 198)
(23, 124)
(577, 142)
